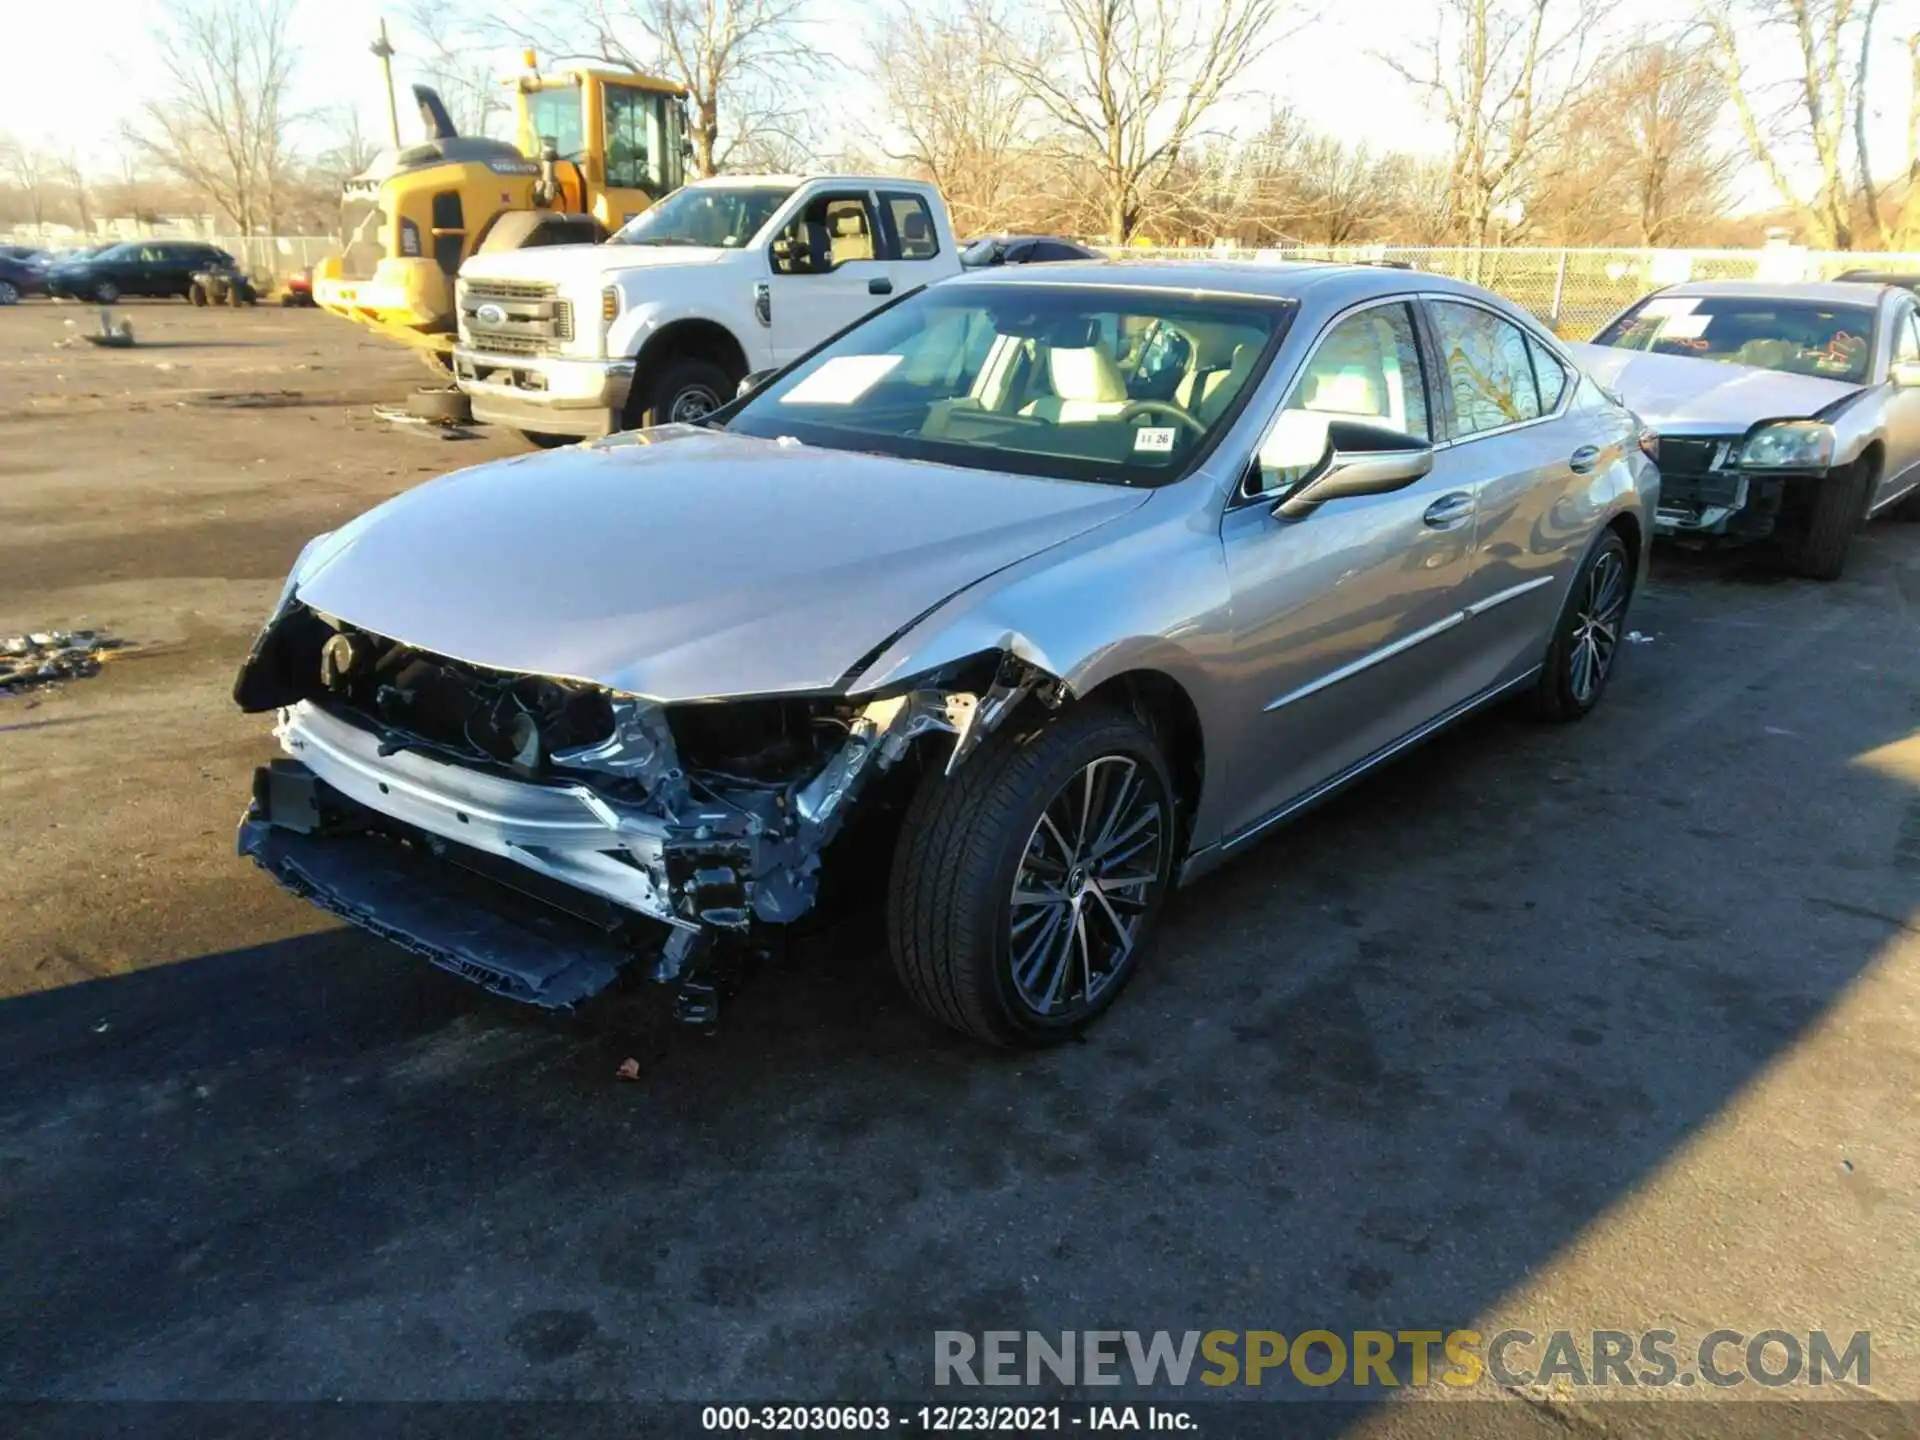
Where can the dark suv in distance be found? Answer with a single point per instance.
(159, 268)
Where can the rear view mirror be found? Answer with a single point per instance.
(1359, 460)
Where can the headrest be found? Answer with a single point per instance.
(915, 227)
(850, 222)
(1085, 374)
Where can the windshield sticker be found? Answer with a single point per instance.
(1684, 327)
(1154, 439)
(1671, 305)
(842, 380)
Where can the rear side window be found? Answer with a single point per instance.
(1549, 376)
(1487, 368)
(912, 225)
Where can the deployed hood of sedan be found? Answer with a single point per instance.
(702, 564)
(1675, 393)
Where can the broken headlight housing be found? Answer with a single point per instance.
(1788, 445)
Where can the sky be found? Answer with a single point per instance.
(1327, 73)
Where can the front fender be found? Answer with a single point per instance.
(639, 321)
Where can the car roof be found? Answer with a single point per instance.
(1833, 292)
(1282, 280)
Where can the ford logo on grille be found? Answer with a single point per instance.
(491, 314)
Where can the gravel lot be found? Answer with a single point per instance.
(1608, 1026)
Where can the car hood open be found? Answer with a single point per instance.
(1677, 394)
(685, 564)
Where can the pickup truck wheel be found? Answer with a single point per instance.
(684, 392)
(1026, 884)
(1839, 502)
(1588, 634)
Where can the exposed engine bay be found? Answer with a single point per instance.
(712, 817)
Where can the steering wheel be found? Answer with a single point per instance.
(1166, 409)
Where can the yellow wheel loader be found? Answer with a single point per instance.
(594, 148)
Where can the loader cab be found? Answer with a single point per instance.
(618, 139)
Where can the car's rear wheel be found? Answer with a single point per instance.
(1839, 505)
(1025, 885)
(106, 292)
(9, 293)
(1587, 637)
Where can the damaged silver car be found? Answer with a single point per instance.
(1030, 597)
(1785, 412)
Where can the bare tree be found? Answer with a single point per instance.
(453, 59)
(1502, 74)
(29, 169)
(1829, 41)
(1340, 193)
(223, 120)
(963, 121)
(79, 193)
(1130, 84)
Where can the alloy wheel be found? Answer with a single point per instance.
(1596, 626)
(1087, 880)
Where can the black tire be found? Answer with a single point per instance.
(442, 403)
(1839, 505)
(967, 839)
(197, 295)
(9, 293)
(1596, 604)
(682, 390)
(106, 292)
(546, 441)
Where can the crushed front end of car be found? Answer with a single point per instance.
(541, 836)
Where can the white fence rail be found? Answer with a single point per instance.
(1574, 290)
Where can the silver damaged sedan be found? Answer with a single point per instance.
(1035, 594)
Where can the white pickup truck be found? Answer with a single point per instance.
(723, 278)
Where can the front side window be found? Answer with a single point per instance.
(1487, 368)
(629, 119)
(833, 230)
(554, 114)
(1366, 369)
(720, 216)
(1801, 337)
(1070, 382)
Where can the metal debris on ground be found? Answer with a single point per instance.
(1634, 637)
(114, 334)
(46, 657)
(420, 424)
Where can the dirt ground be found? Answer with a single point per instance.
(1605, 1026)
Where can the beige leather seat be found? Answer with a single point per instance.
(1221, 387)
(850, 238)
(1086, 386)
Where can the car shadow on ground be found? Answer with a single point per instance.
(1382, 1068)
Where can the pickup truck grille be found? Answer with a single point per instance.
(532, 319)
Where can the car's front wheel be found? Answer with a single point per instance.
(1587, 637)
(683, 392)
(1839, 505)
(1026, 884)
(106, 292)
(9, 293)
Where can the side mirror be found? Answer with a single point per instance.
(1906, 373)
(1359, 460)
(754, 381)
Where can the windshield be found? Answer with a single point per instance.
(1801, 337)
(1077, 382)
(723, 216)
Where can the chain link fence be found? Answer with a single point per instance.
(1574, 291)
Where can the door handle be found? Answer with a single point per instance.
(880, 286)
(1584, 459)
(1449, 510)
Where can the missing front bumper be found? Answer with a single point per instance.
(508, 941)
